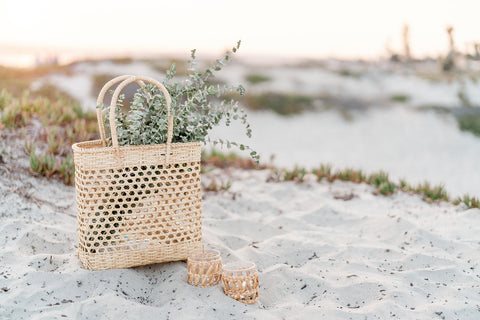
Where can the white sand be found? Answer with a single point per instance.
(372, 257)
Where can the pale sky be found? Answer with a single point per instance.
(301, 28)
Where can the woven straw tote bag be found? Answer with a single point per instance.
(136, 205)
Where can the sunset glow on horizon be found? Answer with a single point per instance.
(305, 29)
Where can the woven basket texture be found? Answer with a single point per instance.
(204, 269)
(241, 285)
(136, 205)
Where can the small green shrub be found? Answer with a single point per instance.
(348, 174)
(297, 174)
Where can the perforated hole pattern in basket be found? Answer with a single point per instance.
(139, 207)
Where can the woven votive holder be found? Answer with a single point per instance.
(240, 281)
(204, 268)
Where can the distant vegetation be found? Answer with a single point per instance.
(281, 103)
(399, 98)
(468, 118)
(257, 78)
(18, 80)
(469, 122)
(349, 73)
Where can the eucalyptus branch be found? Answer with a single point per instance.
(197, 107)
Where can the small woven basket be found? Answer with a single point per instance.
(240, 282)
(136, 205)
(204, 268)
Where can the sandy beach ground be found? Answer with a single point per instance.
(319, 256)
(323, 250)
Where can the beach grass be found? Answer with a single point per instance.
(467, 200)
(432, 193)
(216, 185)
(324, 171)
(217, 159)
(379, 180)
(297, 174)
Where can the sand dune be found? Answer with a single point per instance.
(319, 257)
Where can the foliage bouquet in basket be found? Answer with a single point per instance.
(197, 107)
(138, 187)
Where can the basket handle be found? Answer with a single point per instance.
(126, 81)
(101, 97)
